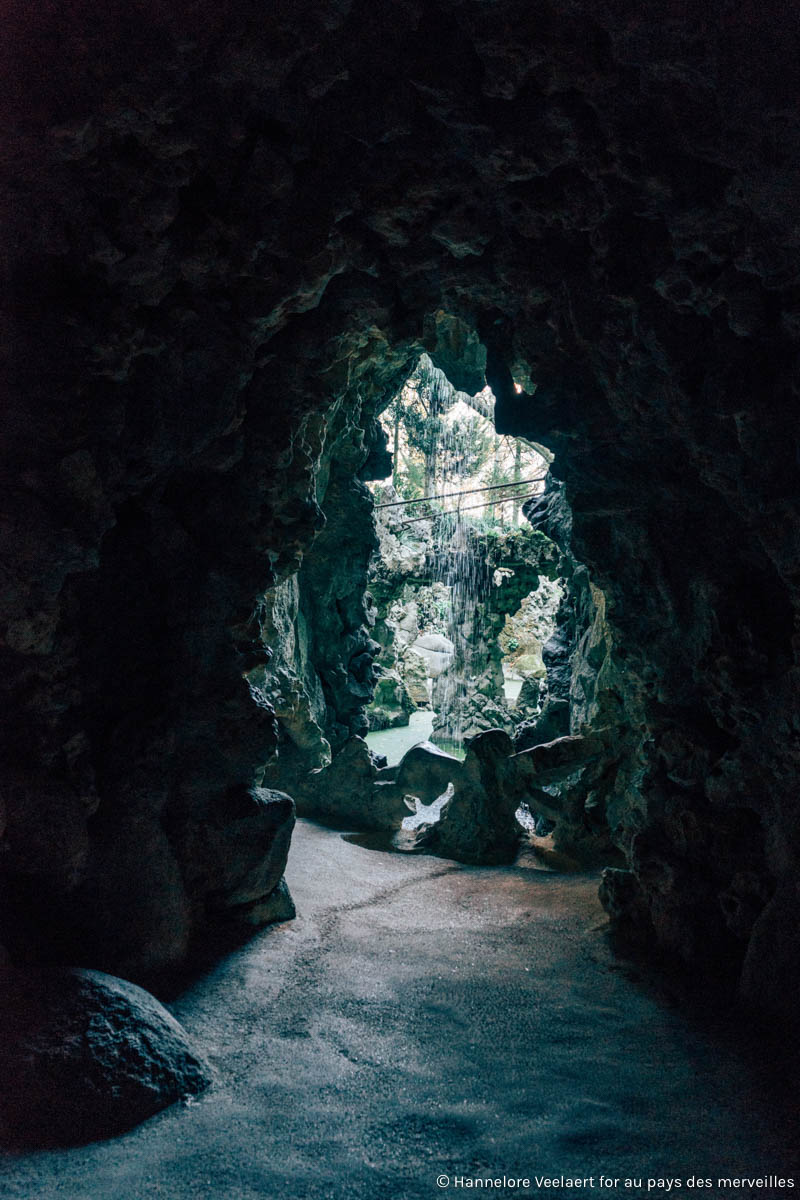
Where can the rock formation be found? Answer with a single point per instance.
(228, 238)
(416, 610)
(84, 1056)
(510, 565)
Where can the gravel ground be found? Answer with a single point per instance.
(423, 1021)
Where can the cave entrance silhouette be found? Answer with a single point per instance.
(460, 579)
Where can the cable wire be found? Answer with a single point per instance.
(469, 492)
(470, 507)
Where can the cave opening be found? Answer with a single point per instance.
(438, 654)
(465, 592)
(450, 525)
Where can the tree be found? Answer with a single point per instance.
(465, 447)
(434, 446)
(517, 477)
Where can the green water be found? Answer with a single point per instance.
(394, 742)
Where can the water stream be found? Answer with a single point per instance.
(458, 564)
(395, 742)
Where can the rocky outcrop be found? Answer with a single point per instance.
(391, 702)
(237, 860)
(227, 240)
(409, 613)
(85, 1056)
(509, 564)
(351, 791)
(583, 697)
(422, 611)
(477, 823)
(526, 632)
(464, 810)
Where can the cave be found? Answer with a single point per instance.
(232, 234)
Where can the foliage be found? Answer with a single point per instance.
(423, 430)
(443, 441)
(466, 447)
(411, 480)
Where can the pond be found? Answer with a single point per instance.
(394, 742)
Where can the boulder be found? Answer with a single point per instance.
(530, 665)
(240, 851)
(84, 1055)
(436, 650)
(424, 771)
(277, 906)
(477, 824)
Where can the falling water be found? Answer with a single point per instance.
(459, 439)
(460, 564)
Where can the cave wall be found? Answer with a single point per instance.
(220, 225)
(319, 676)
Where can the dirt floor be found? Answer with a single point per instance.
(422, 1026)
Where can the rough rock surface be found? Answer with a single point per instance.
(464, 810)
(84, 1055)
(525, 632)
(505, 566)
(477, 824)
(415, 610)
(392, 703)
(346, 792)
(227, 239)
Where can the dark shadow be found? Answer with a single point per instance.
(381, 840)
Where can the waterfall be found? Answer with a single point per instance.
(458, 563)
(448, 457)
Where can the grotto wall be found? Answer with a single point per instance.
(320, 674)
(508, 565)
(222, 229)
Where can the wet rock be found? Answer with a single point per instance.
(424, 772)
(477, 823)
(531, 666)
(84, 1055)
(436, 650)
(530, 695)
(392, 704)
(551, 762)
(552, 722)
(356, 793)
(414, 671)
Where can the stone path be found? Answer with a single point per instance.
(422, 1019)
